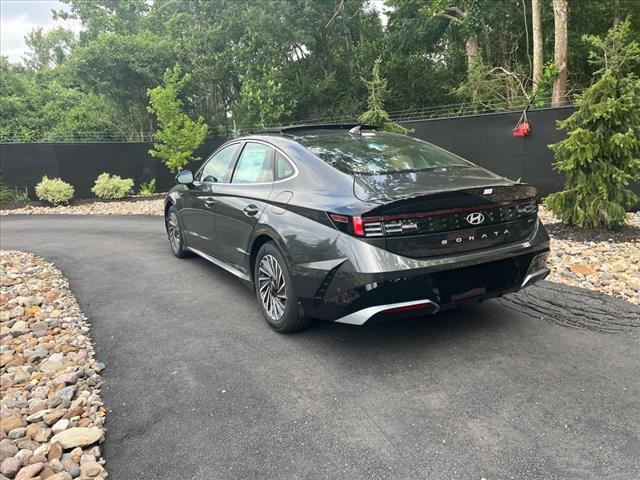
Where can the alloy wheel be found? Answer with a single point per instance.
(174, 232)
(272, 287)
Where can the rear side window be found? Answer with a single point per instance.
(255, 164)
(218, 168)
(377, 153)
(283, 168)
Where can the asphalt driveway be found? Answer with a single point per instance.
(199, 387)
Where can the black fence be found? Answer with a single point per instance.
(483, 139)
(487, 141)
(23, 165)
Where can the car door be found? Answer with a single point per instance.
(240, 203)
(198, 212)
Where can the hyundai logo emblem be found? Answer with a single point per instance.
(475, 218)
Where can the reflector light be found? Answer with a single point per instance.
(339, 218)
(358, 228)
(408, 308)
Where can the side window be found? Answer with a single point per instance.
(284, 169)
(255, 164)
(218, 168)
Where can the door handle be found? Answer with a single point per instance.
(209, 202)
(250, 210)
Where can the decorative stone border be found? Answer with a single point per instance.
(52, 414)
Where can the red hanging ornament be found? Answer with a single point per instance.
(522, 128)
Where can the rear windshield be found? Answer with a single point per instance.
(379, 153)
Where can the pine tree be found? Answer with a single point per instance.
(376, 115)
(600, 155)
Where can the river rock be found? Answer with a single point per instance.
(29, 471)
(10, 467)
(53, 363)
(11, 422)
(78, 437)
(7, 449)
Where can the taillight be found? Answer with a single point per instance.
(346, 224)
(358, 228)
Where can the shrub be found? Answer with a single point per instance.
(112, 186)
(13, 196)
(21, 197)
(54, 191)
(6, 194)
(147, 189)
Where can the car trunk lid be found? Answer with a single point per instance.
(421, 215)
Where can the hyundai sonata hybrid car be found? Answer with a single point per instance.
(349, 224)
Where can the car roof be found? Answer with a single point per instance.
(297, 130)
(295, 133)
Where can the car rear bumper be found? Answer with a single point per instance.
(350, 290)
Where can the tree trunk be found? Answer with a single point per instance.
(616, 13)
(487, 43)
(471, 48)
(538, 55)
(502, 44)
(560, 52)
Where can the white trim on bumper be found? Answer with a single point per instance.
(361, 316)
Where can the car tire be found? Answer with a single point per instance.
(174, 232)
(273, 286)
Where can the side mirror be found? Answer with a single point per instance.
(185, 177)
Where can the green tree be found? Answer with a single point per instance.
(48, 49)
(466, 15)
(43, 107)
(272, 61)
(600, 155)
(264, 102)
(177, 136)
(376, 114)
(122, 68)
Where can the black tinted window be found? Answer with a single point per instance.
(218, 168)
(255, 164)
(375, 153)
(283, 168)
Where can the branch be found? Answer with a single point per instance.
(453, 19)
(510, 74)
(335, 14)
(456, 10)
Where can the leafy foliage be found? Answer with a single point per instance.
(54, 191)
(146, 189)
(546, 83)
(266, 62)
(112, 186)
(264, 102)
(21, 197)
(376, 114)
(15, 196)
(48, 49)
(7, 194)
(600, 155)
(178, 136)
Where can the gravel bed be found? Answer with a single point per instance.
(600, 260)
(129, 206)
(52, 414)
